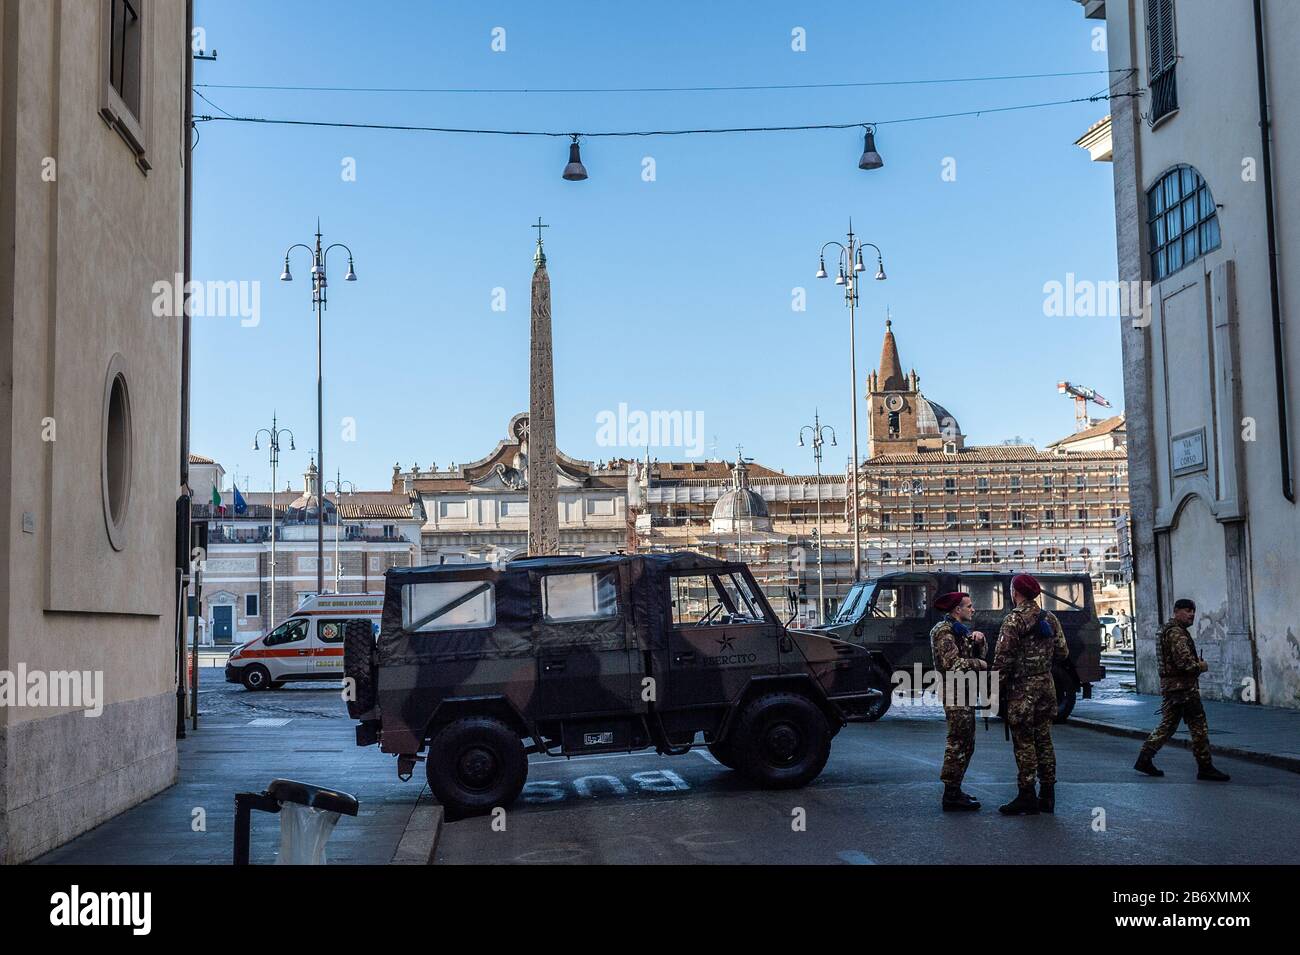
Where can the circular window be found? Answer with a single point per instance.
(115, 461)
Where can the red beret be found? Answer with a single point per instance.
(946, 602)
(1026, 585)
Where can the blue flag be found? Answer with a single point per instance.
(241, 506)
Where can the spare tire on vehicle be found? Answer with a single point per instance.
(359, 666)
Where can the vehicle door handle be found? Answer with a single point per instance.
(688, 657)
(303, 653)
(550, 665)
(844, 649)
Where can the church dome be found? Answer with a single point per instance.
(740, 508)
(930, 418)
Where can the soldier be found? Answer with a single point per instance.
(1180, 671)
(957, 648)
(1030, 641)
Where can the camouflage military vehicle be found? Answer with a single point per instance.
(476, 666)
(892, 616)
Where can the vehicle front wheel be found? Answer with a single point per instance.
(255, 677)
(476, 764)
(782, 741)
(880, 681)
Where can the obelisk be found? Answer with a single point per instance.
(543, 508)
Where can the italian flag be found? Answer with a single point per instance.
(216, 499)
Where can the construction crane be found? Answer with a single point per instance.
(1081, 396)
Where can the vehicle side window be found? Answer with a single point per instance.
(290, 631)
(906, 600)
(448, 605)
(331, 631)
(692, 598)
(701, 600)
(1062, 595)
(579, 596)
(985, 594)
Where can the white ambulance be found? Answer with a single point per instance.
(307, 646)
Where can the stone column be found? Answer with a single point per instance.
(543, 506)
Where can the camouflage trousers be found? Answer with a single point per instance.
(1182, 706)
(1030, 712)
(961, 744)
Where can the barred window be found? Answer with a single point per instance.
(1182, 221)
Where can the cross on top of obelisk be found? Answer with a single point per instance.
(539, 256)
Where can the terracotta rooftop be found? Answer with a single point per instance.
(1105, 426)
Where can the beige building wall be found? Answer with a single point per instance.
(91, 217)
(1221, 531)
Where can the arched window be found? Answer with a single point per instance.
(986, 556)
(952, 557)
(922, 557)
(1182, 221)
(1050, 555)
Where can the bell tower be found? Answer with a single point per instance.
(892, 403)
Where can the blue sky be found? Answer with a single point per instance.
(673, 294)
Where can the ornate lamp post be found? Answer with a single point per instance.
(273, 442)
(318, 298)
(348, 488)
(850, 266)
(818, 439)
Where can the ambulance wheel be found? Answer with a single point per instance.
(255, 677)
(723, 753)
(782, 741)
(475, 764)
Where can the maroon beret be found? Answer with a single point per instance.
(946, 602)
(1026, 585)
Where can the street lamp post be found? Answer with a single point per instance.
(913, 488)
(850, 265)
(273, 442)
(348, 488)
(818, 438)
(318, 298)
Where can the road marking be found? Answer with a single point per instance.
(854, 857)
(268, 721)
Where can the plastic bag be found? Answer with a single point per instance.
(303, 834)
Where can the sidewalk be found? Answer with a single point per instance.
(233, 752)
(1261, 734)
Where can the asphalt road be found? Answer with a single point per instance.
(876, 802)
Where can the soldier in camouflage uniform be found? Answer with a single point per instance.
(959, 650)
(1180, 671)
(1030, 641)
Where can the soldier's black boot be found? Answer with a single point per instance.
(1025, 803)
(1144, 765)
(954, 800)
(1047, 797)
(1213, 775)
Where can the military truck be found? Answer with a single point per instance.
(892, 616)
(476, 666)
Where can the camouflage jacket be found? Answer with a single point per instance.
(1022, 652)
(1180, 669)
(952, 652)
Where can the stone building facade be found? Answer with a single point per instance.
(92, 152)
(366, 533)
(1203, 144)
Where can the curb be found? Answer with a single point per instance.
(419, 842)
(1289, 763)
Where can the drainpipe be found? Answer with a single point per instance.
(1279, 360)
(183, 509)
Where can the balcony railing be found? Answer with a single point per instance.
(1164, 94)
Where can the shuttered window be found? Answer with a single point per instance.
(1162, 57)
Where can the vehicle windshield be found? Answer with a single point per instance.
(856, 602)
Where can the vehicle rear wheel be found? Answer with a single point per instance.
(255, 677)
(723, 753)
(782, 741)
(476, 764)
(1065, 694)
